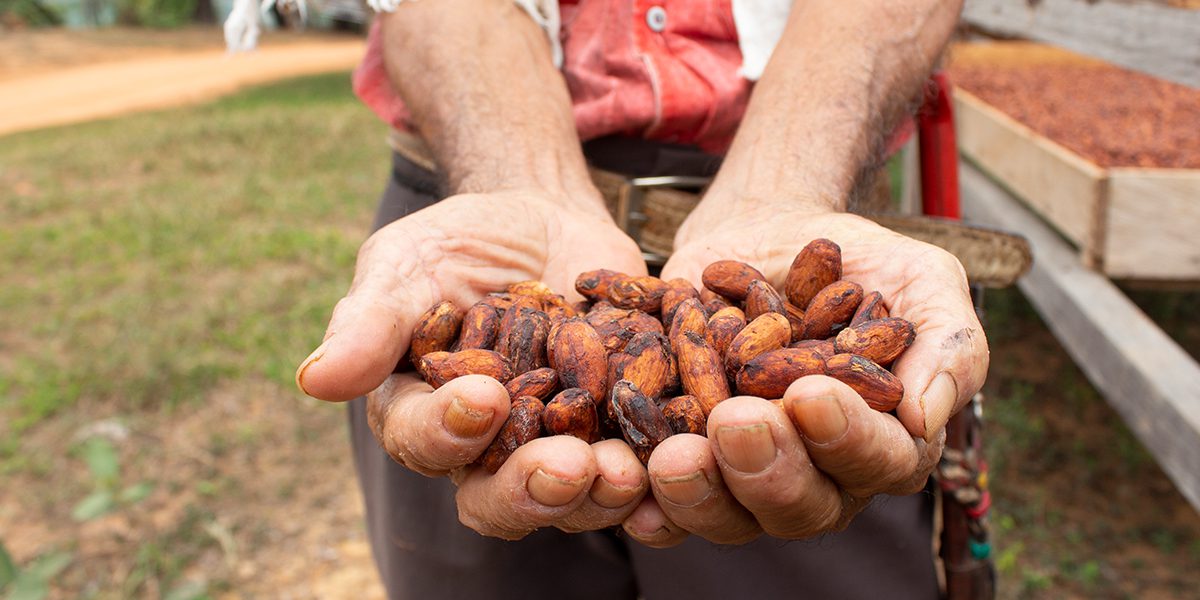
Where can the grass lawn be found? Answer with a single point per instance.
(166, 272)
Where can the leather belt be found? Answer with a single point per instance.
(651, 209)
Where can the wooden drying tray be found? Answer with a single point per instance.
(1128, 223)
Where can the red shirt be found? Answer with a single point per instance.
(665, 70)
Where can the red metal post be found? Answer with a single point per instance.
(939, 157)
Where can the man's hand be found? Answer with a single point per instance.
(458, 250)
(799, 475)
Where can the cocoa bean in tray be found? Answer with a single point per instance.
(643, 359)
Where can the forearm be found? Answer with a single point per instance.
(478, 79)
(838, 83)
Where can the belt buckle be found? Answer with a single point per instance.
(630, 214)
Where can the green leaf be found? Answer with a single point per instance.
(136, 492)
(8, 568)
(188, 590)
(34, 582)
(101, 459)
(97, 503)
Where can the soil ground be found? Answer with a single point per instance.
(178, 358)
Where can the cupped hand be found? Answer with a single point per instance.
(801, 474)
(459, 250)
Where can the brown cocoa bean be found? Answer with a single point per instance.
(730, 278)
(795, 317)
(689, 317)
(723, 327)
(761, 298)
(616, 326)
(500, 301)
(522, 336)
(573, 412)
(440, 367)
(480, 325)
(882, 390)
(593, 285)
(870, 309)
(881, 340)
(685, 415)
(678, 290)
(647, 362)
(767, 333)
(539, 383)
(816, 266)
(436, 330)
(823, 347)
(577, 353)
(524, 424)
(769, 375)
(642, 422)
(700, 370)
(643, 293)
(831, 310)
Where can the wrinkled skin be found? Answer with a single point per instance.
(799, 475)
(447, 252)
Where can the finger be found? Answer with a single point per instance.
(948, 361)
(690, 491)
(371, 327)
(435, 431)
(766, 466)
(649, 525)
(542, 483)
(864, 451)
(621, 483)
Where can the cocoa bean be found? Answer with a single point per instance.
(761, 298)
(480, 325)
(440, 367)
(522, 336)
(795, 317)
(642, 423)
(822, 347)
(816, 266)
(678, 290)
(577, 353)
(769, 375)
(700, 370)
(643, 293)
(647, 362)
(689, 317)
(730, 278)
(882, 390)
(767, 333)
(573, 412)
(723, 327)
(593, 285)
(881, 340)
(539, 383)
(870, 309)
(831, 310)
(524, 424)
(685, 415)
(436, 330)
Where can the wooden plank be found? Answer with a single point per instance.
(1144, 375)
(1067, 190)
(1151, 38)
(1153, 218)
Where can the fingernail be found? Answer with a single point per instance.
(608, 495)
(938, 401)
(658, 535)
(312, 358)
(824, 419)
(549, 490)
(465, 421)
(685, 491)
(747, 448)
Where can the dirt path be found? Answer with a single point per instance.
(55, 85)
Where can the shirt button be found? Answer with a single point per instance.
(656, 18)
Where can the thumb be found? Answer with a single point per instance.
(371, 327)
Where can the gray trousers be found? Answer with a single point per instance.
(423, 552)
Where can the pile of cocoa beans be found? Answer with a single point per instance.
(643, 359)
